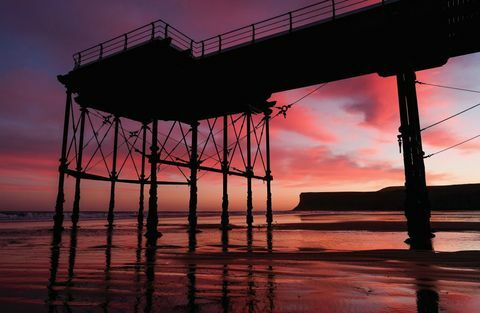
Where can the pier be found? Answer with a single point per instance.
(153, 90)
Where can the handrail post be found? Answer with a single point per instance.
(219, 43)
(166, 31)
(125, 42)
(291, 21)
(191, 46)
(203, 48)
(101, 51)
(153, 31)
(79, 59)
(253, 32)
(333, 9)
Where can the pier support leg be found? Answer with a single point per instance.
(417, 204)
(76, 200)
(142, 175)
(152, 218)
(225, 167)
(58, 217)
(249, 171)
(268, 173)
(113, 175)
(192, 214)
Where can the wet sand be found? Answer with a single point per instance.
(350, 262)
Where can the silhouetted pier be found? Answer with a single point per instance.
(157, 73)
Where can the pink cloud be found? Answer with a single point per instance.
(319, 166)
(301, 120)
(375, 99)
(442, 138)
(372, 97)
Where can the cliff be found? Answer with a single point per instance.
(451, 197)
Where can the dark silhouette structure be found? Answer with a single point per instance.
(156, 73)
(442, 198)
(54, 262)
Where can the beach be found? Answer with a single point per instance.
(308, 262)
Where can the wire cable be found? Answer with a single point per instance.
(450, 117)
(447, 87)
(451, 147)
(284, 108)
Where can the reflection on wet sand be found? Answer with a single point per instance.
(427, 295)
(150, 259)
(54, 260)
(146, 293)
(191, 273)
(72, 254)
(270, 274)
(225, 300)
(251, 292)
(239, 269)
(137, 267)
(108, 263)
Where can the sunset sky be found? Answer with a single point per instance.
(342, 138)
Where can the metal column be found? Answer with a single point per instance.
(142, 175)
(249, 171)
(113, 176)
(417, 204)
(58, 218)
(76, 200)
(225, 168)
(268, 172)
(152, 218)
(192, 214)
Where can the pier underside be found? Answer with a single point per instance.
(157, 80)
(217, 78)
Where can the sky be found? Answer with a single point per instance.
(343, 137)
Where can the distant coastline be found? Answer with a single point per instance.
(450, 197)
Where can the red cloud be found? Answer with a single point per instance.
(319, 166)
(301, 120)
(371, 96)
(442, 138)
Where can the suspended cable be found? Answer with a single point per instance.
(450, 117)
(284, 108)
(308, 94)
(452, 147)
(447, 87)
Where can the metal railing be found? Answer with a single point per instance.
(322, 11)
(154, 30)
